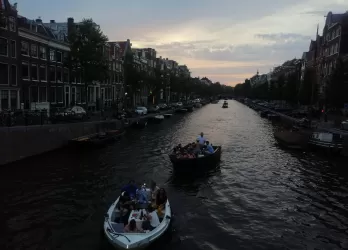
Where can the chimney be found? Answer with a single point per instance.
(52, 21)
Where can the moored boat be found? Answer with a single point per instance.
(97, 139)
(157, 118)
(326, 140)
(168, 115)
(181, 110)
(120, 239)
(141, 123)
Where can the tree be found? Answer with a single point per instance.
(337, 89)
(306, 87)
(291, 89)
(87, 44)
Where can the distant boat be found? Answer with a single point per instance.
(97, 139)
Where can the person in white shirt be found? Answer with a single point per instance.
(201, 139)
(152, 220)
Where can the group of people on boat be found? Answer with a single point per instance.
(195, 149)
(152, 207)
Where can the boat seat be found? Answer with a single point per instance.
(117, 227)
(115, 214)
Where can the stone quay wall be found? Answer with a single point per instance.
(19, 142)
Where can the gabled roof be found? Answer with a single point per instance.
(36, 27)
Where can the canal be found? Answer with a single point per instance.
(260, 196)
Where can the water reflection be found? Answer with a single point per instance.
(259, 197)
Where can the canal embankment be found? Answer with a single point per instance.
(20, 142)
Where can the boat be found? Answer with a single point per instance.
(326, 140)
(157, 118)
(119, 239)
(189, 108)
(225, 105)
(181, 110)
(168, 115)
(198, 162)
(141, 123)
(198, 105)
(97, 139)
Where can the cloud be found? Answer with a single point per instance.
(224, 39)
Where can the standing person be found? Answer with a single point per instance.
(130, 188)
(154, 190)
(201, 139)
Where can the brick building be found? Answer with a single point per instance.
(9, 65)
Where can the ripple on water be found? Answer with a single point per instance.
(258, 197)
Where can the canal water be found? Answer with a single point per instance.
(259, 197)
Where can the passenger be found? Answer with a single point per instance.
(197, 149)
(161, 200)
(125, 206)
(130, 188)
(142, 195)
(152, 220)
(154, 190)
(209, 148)
(201, 139)
(132, 227)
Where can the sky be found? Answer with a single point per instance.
(224, 40)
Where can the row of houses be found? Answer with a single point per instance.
(34, 75)
(321, 58)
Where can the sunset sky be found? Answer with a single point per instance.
(224, 40)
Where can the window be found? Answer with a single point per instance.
(34, 94)
(13, 99)
(59, 94)
(3, 47)
(4, 99)
(13, 75)
(52, 74)
(43, 73)
(53, 94)
(66, 76)
(33, 50)
(34, 73)
(12, 24)
(13, 49)
(43, 55)
(42, 94)
(73, 76)
(78, 95)
(4, 24)
(59, 57)
(24, 48)
(52, 55)
(78, 77)
(66, 57)
(59, 74)
(3, 74)
(25, 71)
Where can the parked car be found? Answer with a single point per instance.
(141, 110)
(344, 125)
(78, 112)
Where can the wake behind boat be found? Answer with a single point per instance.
(129, 222)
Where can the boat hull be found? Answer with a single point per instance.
(135, 240)
(95, 142)
(196, 163)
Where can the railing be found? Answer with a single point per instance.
(9, 118)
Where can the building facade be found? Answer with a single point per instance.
(9, 53)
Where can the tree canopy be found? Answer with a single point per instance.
(88, 55)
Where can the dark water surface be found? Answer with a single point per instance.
(260, 196)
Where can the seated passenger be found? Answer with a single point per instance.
(130, 188)
(132, 227)
(161, 200)
(152, 220)
(125, 205)
(209, 148)
(197, 149)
